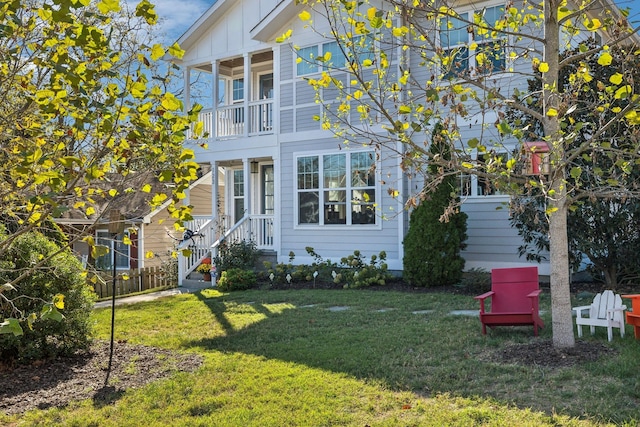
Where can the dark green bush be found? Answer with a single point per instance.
(61, 274)
(236, 279)
(432, 247)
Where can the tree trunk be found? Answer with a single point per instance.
(562, 321)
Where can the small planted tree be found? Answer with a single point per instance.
(434, 241)
(85, 114)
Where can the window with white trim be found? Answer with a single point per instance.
(470, 48)
(309, 58)
(337, 188)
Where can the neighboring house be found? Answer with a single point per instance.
(285, 182)
(150, 231)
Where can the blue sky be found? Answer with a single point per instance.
(178, 15)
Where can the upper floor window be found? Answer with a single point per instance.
(336, 188)
(306, 62)
(474, 49)
(238, 90)
(358, 48)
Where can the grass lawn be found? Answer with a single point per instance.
(351, 358)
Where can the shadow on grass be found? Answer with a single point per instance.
(106, 396)
(414, 344)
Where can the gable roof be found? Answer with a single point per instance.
(275, 20)
(264, 31)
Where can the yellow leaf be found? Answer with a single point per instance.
(605, 59)
(146, 188)
(106, 6)
(543, 67)
(113, 192)
(126, 240)
(623, 92)
(284, 37)
(149, 254)
(357, 94)
(90, 211)
(552, 112)
(371, 13)
(58, 301)
(616, 79)
(170, 102)
(175, 50)
(304, 15)
(157, 51)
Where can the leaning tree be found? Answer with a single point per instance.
(84, 114)
(413, 63)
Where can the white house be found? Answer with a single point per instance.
(285, 182)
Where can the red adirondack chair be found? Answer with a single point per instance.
(514, 299)
(633, 316)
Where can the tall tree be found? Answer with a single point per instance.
(411, 63)
(82, 114)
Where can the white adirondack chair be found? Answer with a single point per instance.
(606, 310)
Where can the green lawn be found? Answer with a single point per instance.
(283, 358)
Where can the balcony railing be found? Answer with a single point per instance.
(233, 121)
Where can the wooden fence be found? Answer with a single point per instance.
(132, 281)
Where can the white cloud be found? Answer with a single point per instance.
(176, 16)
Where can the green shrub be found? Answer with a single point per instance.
(242, 254)
(354, 271)
(357, 273)
(61, 274)
(432, 247)
(236, 279)
(476, 280)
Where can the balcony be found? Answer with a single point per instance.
(237, 94)
(232, 120)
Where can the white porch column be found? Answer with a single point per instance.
(276, 91)
(215, 76)
(247, 93)
(214, 191)
(247, 186)
(187, 88)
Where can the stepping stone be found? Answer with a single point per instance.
(422, 312)
(383, 310)
(338, 308)
(465, 312)
(308, 306)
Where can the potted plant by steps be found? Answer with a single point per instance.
(205, 268)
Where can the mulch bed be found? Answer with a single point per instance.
(55, 383)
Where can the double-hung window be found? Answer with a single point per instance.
(337, 188)
(470, 44)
